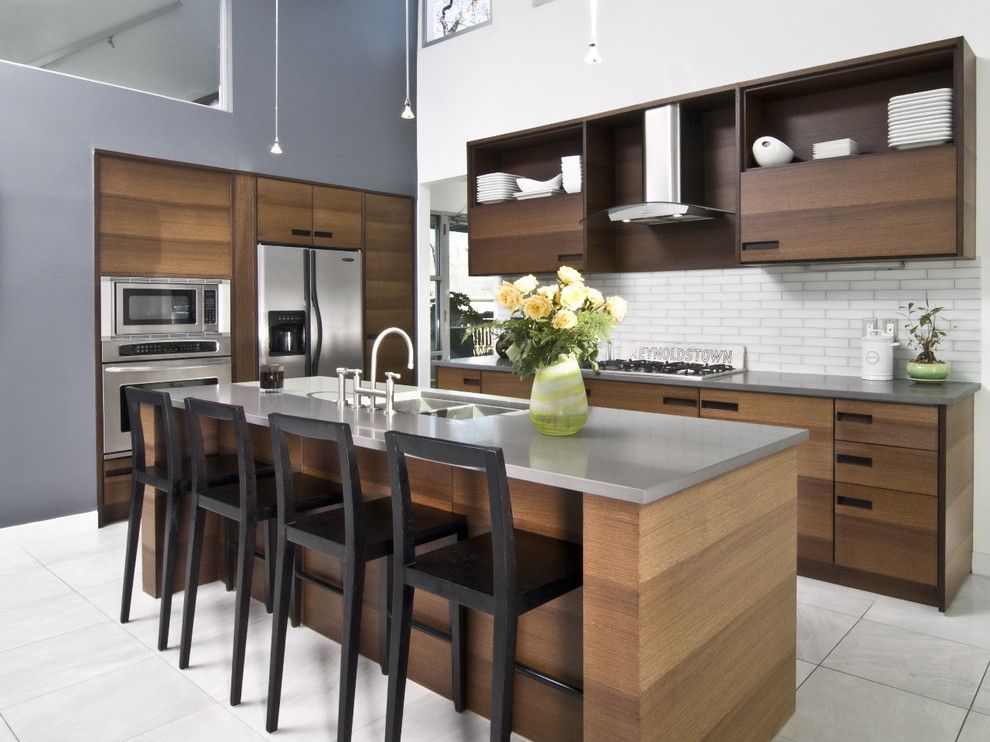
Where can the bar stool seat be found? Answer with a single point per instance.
(222, 468)
(311, 493)
(464, 571)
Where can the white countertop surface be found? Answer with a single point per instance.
(633, 456)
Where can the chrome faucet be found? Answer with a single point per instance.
(390, 378)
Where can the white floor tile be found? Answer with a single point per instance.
(212, 724)
(936, 668)
(976, 728)
(58, 547)
(432, 719)
(835, 707)
(976, 586)
(966, 621)
(45, 666)
(29, 584)
(92, 568)
(46, 530)
(110, 708)
(804, 669)
(5, 734)
(14, 559)
(836, 598)
(43, 619)
(982, 702)
(818, 631)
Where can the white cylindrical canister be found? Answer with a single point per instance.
(878, 356)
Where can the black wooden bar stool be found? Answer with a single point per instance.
(355, 534)
(245, 501)
(504, 573)
(170, 476)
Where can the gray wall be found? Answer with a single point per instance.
(341, 93)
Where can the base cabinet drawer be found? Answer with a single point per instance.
(458, 379)
(505, 384)
(624, 395)
(909, 426)
(887, 532)
(903, 469)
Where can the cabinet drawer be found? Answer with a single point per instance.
(624, 395)
(908, 426)
(903, 469)
(505, 384)
(887, 532)
(458, 379)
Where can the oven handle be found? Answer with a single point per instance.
(131, 368)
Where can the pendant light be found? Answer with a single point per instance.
(407, 111)
(276, 147)
(593, 57)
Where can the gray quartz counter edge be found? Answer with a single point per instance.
(636, 457)
(902, 391)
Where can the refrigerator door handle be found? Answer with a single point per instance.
(316, 314)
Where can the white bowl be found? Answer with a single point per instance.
(527, 184)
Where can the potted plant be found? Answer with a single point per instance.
(926, 332)
(462, 316)
(552, 329)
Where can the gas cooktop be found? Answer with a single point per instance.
(693, 360)
(668, 368)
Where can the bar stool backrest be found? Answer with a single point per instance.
(350, 480)
(487, 459)
(196, 410)
(162, 403)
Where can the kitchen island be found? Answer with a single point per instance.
(685, 627)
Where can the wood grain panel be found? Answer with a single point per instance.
(624, 395)
(908, 426)
(115, 494)
(904, 469)
(337, 217)
(244, 281)
(814, 519)
(957, 500)
(880, 205)
(285, 205)
(458, 379)
(506, 384)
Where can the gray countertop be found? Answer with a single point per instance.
(633, 456)
(903, 391)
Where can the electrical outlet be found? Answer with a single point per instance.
(869, 324)
(889, 327)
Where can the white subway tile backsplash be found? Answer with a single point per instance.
(797, 318)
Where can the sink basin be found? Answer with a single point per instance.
(469, 411)
(423, 405)
(449, 407)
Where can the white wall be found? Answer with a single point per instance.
(526, 69)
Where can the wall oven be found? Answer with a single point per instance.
(152, 306)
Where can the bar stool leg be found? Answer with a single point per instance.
(229, 553)
(242, 604)
(271, 540)
(283, 589)
(192, 580)
(458, 650)
(168, 567)
(503, 672)
(353, 593)
(384, 610)
(130, 557)
(398, 657)
(295, 599)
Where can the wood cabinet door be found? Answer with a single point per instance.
(893, 204)
(814, 456)
(285, 212)
(624, 395)
(389, 268)
(162, 219)
(505, 384)
(458, 379)
(337, 218)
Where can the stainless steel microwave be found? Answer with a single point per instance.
(156, 306)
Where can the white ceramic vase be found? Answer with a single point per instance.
(770, 151)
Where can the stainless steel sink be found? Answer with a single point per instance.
(469, 411)
(423, 405)
(449, 407)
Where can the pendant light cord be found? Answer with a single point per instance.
(407, 49)
(276, 70)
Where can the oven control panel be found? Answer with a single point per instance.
(184, 347)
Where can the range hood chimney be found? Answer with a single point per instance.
(669, 197)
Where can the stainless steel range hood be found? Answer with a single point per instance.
(673, 180)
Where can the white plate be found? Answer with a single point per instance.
(922, 106)
(936, 118)
(922, 94)
(933, 138)
(918, 145)
(897, 131)
(537, 194)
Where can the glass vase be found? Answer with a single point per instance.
(558, 404)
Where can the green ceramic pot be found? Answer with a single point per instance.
(931, 372)
(558, 404)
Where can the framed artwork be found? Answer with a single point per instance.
(445, 18)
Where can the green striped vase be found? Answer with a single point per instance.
(558, 404)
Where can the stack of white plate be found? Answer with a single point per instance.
(570, 167)
(495, 187)
(834, 148)
(920, 119)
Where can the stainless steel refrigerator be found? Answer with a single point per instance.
(310, 309)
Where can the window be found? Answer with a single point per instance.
(174, 48)
(445, 18)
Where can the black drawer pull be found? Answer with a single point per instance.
(468, 381)
(774, 245)
(324, 235)
(301, 232)
(573, 257)
(847, 458)
(854, 502)
(680, 402)
(713, 404)
(854, 417)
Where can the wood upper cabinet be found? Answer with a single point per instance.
(389, 263)
(337, 217)
(162, 219)
(814, 455)
(285, 212)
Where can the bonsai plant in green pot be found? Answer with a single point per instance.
(927, 331)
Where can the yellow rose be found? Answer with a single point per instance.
(573, 296)
(565, 319)
(595, 298)
(616, 307)
(568, 275)
(526, 283)
(537, 306)
(551, 292)
(508, 296)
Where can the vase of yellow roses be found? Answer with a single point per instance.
(554, 328)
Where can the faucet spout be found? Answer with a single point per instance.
(378, 341)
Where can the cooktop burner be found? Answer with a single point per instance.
(667, 368)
